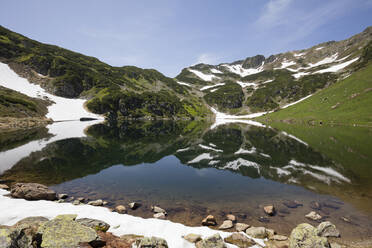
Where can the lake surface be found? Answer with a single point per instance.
(192, 170)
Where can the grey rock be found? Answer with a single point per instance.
(313, 216)
(32, 191)
(192, 238)
(97, 225)
(214, 241)
(98, 202)
(134, 205)
(327, 229)
(241, 227)
(159, 216)
(157, 209)
(121, 209)
(152, 242)
(231, 217)
(62, 196)
(306, 236)
(227, 224)
(14, 238)
(256, 232)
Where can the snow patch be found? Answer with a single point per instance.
(183, 149)
(210, 148)
(62, 109)
(204, 156)
(319, 48)
(238, 69)
(216, 71)
(235, 165)
(243, 151)
(205, 77)
(211, 86)
(338, 67)
(243, 84)
(293, 103)
(182, 83)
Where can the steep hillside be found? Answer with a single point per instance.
(269, 83)
(347, 101)
(116, 91)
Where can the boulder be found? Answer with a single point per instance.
(192, 238)
(63, 231)
(240, 240)
(97, 225)
(14, 237)
(269, 210)
(157, 209)
(4, 186)
(121, 209)
(159, 216)
(152, 242)
(241, 227)
(209, 221)
(214, 241)
(256, 232)
(313, 216)
(32, 191)
(306, 236)
(231, 217)
(98, 202)
(327, 229)
(227, 224)
(134, 205)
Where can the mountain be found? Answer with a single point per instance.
(117, 92)
(255, 84)
(258, 84)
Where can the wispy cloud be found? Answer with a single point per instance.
(273, 13)
(207, 58)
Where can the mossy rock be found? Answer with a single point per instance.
(97, 225)
(306, 236)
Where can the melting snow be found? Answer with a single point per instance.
(211, 86)
(216, 71)
(205, 77)
(238, 69)
(243, 151)
(293, 103)
(62, 109)
(204, 156)
(183, 149)
(182, 83)
(13, 210)
(319, 48)
(335, 68)
(299, 54)
(243, 84)
(210, 148)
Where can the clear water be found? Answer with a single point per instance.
(192, 170)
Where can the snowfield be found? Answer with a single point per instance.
(238, 69)
(62, 108)
(13, 210)
(205, 77)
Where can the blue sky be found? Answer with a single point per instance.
(169, 35)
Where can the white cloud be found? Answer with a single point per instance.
(207, 58)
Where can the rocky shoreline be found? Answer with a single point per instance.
(34, 231)
(10, 123)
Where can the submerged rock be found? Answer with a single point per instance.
(240, 240)
(256, 232)
(306, 236)
(315, 205)
(32, 191)
(231, 217)
(121, 209)
(292, 204)
(269, 210)
(97, 225)
(192, 238)
(152, 242)
(63, 231)
(313, 216)
(241, 227)
(214, 241)
(327, 229)
(209, 221)
(227, 224)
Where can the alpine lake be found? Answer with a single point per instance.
(192, 170)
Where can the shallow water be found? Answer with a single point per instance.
(192, 170)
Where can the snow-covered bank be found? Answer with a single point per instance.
(62, 109)
(13, 210)
(58, 130)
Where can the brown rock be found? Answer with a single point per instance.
(192, 238)
(113, 241)
(241, 227)
(3, 186)
(227, 224)
(120, 209)
(240, 240)
(32, 191)
(231, 217)
(269, 210)
(209, 221)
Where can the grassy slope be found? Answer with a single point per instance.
(348, 101)
(15, 104)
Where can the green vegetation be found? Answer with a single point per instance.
(228, 96)
(348, 101)
(15, 104)
(284, 88)
(71, 74)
